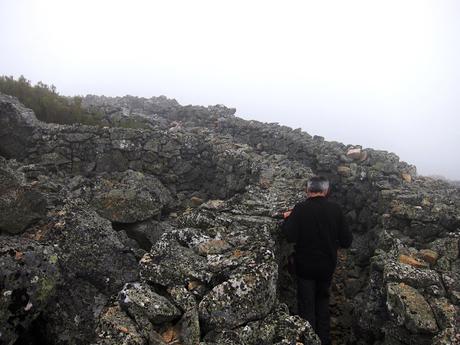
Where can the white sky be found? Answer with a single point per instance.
(383, 74)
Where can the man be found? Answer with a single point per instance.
(318, 228)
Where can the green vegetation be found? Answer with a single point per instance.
(46, 102)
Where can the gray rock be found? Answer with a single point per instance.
(94, 264)
(171, 264)
(410, 309)
(416, 277)
(130, 197)
(21, 203)
(141, 302)
(115, 327)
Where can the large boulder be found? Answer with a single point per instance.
(17, 125)
(21, 203)
(410, 309)
(95, 265)
(115, 327)
(130, 197)
(243, 298)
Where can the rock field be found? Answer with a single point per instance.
(170, 233)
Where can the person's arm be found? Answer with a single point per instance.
(345, 235)
(291, 225)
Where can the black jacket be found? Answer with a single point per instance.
(318, 228)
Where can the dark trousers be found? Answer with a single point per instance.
(313, 304)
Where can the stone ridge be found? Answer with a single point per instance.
(170, 233)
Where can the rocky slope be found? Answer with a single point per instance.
(168, 233)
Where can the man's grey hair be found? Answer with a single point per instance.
(317, 184)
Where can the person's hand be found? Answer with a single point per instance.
(287, 214)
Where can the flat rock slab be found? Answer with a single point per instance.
(416, 277)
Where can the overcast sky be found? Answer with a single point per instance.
(382, 74)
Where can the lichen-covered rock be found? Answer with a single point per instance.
(141, 303)
(182, 297)
(170, 264)
(146, 233)
(17, 125)
(449, 336)
(89, 248)
(416, 277)
(115, 327)
(189, 327)
(130, 197)
(277, 328)
(29, 276)
(244, 297)
(94, 264)
(452, 283)
(370, 309)
(410, 309)
(21, 203)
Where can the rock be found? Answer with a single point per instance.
(408, 260)
(277, 328)
(91, 249)
(213, 204)
(21, 204)
(452, 283)
(213, 246)
(344, 170)
(418, 278)
(170, 335)
(130, 197)
(115, 327)
(94, 265)
(189, 327)
(170, 264)
(28, 282)
(429, 256)
(410, 309)
(445, 313)
(17, 125)
(406, 177)
(195, 201)
(243, 298)
(182, 297)
(447, 337)
(446, 247)
(145, 233)
(355, 154)
(141, 302)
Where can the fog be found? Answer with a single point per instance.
(381, 74)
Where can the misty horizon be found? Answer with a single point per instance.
(383, 76)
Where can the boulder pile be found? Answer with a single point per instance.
(169, 232)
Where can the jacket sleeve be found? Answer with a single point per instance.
(345, 235)
(291, 226)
